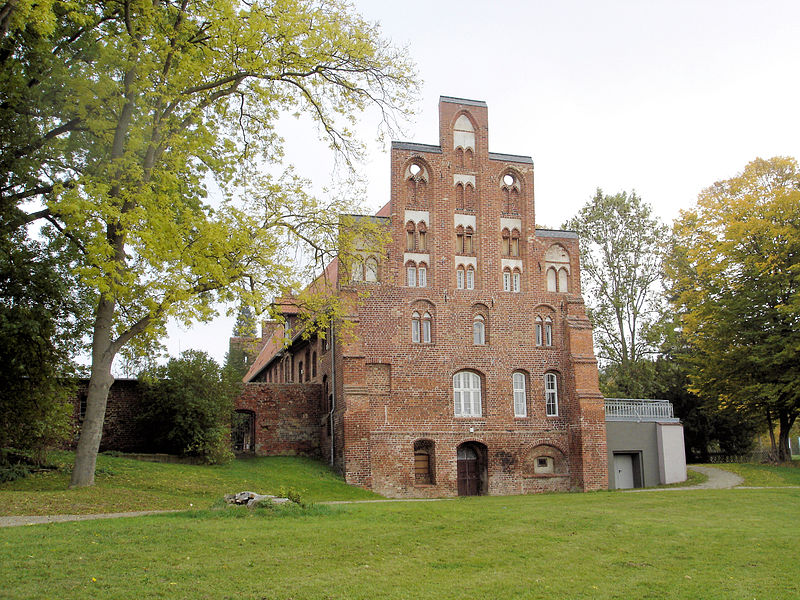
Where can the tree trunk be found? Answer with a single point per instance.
(99, 383)
(786, 422)
(774, 453)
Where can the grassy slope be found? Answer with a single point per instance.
(708, 544)
(123, 484)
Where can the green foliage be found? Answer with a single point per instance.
(735, 272)
(37, 332)
(187, 406)
(116, 119)
(621, 250)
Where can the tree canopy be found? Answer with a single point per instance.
(735, 271)
(621, 251)
(115, 117)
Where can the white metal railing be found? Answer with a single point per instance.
(634, 409)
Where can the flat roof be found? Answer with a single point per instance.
(454, 100)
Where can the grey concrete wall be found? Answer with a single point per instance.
(632, 437)
(671, 453)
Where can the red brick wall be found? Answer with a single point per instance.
(120, 431)
(287, 417)
(395, 392)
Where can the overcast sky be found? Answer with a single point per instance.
(661, 97)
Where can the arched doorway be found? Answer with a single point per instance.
(243, 431)
(471, 469)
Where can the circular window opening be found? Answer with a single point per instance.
(415, 169)
(508, 179)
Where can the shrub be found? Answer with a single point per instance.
(187, 406)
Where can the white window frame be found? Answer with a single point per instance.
(515, 282)
(538, 331)
(470, 278)
(520, 396)
(467, 394)
(478, 330)
(548, 332)
(415, 328)
(422, 277)
(411, 276)
(426, 328)
(551, 394)
(506, 281)
(460, 278)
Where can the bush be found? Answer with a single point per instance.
(187, 407)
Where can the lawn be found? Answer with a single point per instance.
(765, 475)
(709, 544)
(124, 484)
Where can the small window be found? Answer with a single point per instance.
(506, 280)
(468, 246)
(538, 331)
(551, 394)
(426, 328)
(506, 242)
(551, 280)
(300, 372)
(411, 276)
(371, 270)
(358, 271)
(470, 278)
(422, 238)
(422, 276)
(314, 364)
(84, 398)
(460, 278)
(514, 249)
(459, 240)
(410, 245)
(415, 328)
(563, 281)
(478, 331)
(548, 332)
(516, 281)
(520, 402)
(467, 394)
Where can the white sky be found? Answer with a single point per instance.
(664, 97)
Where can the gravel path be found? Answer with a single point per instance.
(718, 479)
(37, 520)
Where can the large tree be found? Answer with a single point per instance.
(735, 268)
(116, 116)
(621, 251)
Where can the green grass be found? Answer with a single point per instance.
(710, 544)
(124, 484)
(764, 475)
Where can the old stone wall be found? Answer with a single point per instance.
(287, 417)
(120, 430)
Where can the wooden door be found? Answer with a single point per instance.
(468, 479)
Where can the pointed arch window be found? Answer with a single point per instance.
(410, 243)
(506, 245)
(371, 270)
(506, 280)
(415, 328)
(426, 328)
(422, 275)
(411, 274)
(470, 278)
(539, 331)
(514, 247)
(548, 332)
(552, 280)
(460, 278)
(422, 237)
(459, 240)
(563, 280)
(516, 281)
(469, 247)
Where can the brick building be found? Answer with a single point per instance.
(469, 368)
